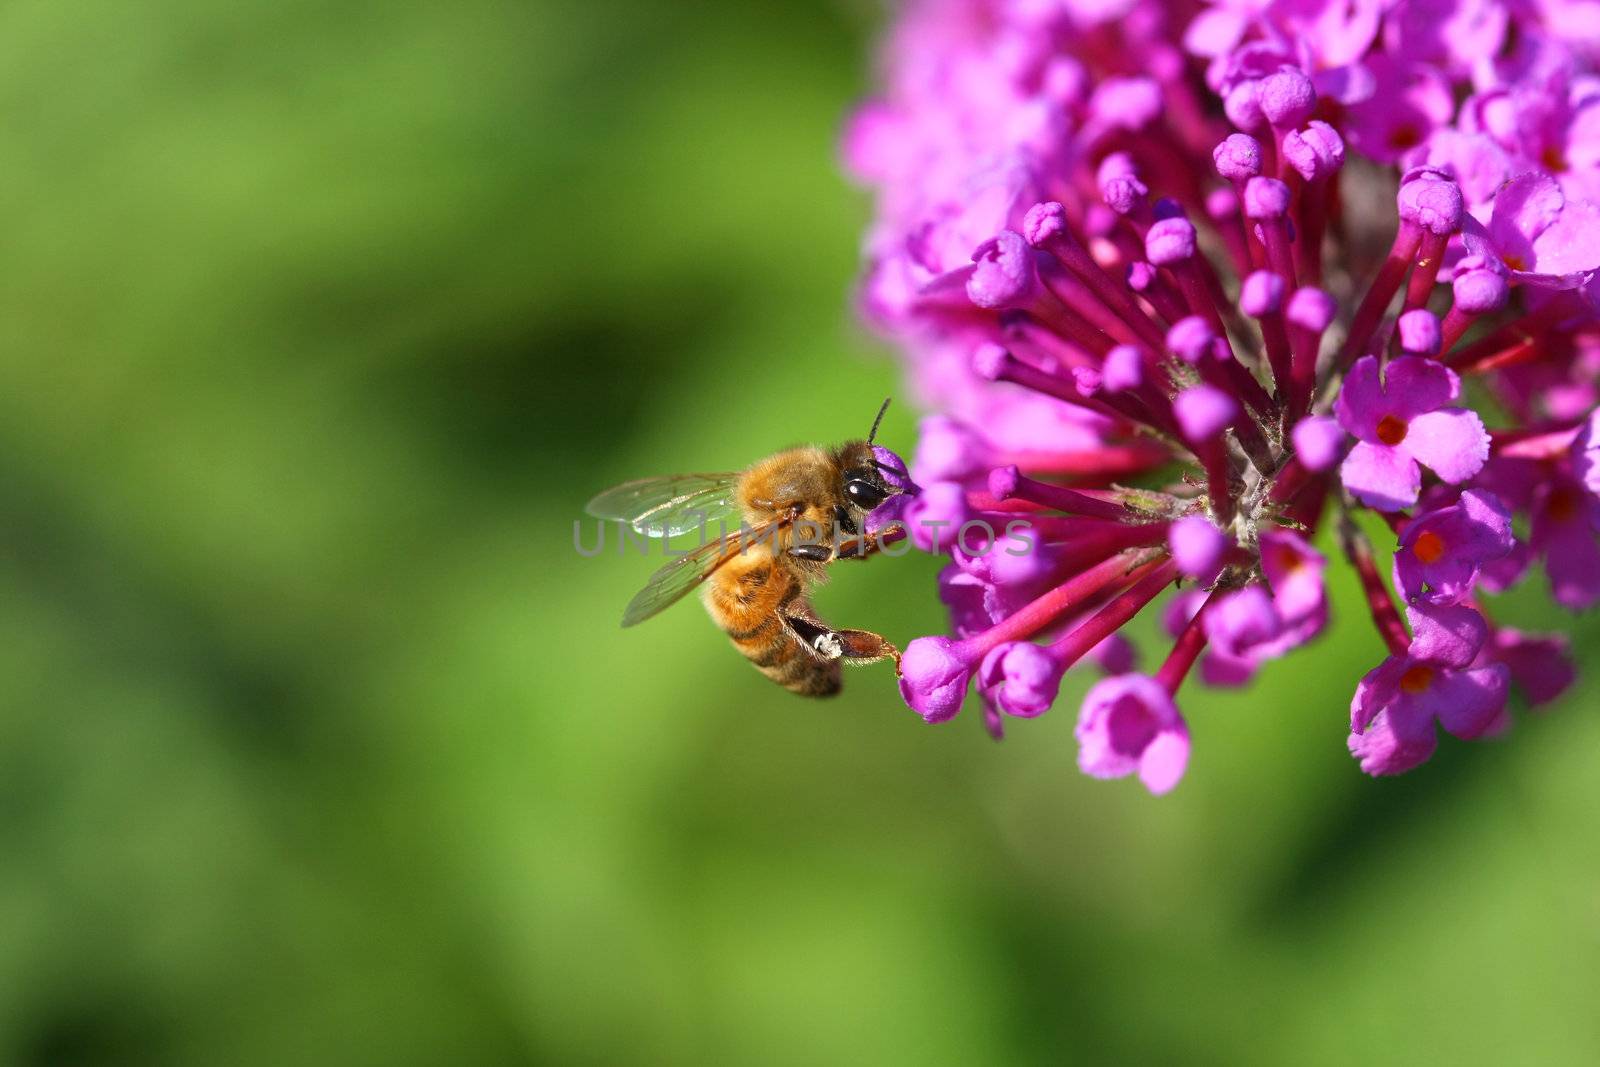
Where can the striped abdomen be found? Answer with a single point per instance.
(746, 597)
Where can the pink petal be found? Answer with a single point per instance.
(1571, 245)
(1469, 703)
(1214, 32)
(1383, 750)
(1479, 165)
(1414, 385)
(1452, 443)
(1448, 634)
(1380, 476)
(1226, 672)
(1294, 571)
(1361, 402)
(1572, 560)
(1375, 692)
(1164, 761)
(1523, 209)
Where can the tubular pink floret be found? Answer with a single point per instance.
(1478, 292)
(1125, 196)
(1046, 227)
(1237, 157)
(1044, 223)
(1198, 547)
(1312, 309)
(1123, 369)
(1203, 412)
(1005, 275)
(1170, 241)
(1431, 201)
(1243, 106)
(1319, 442)
(1286, 97)
(1191, 339)
(1009, 483)
(1261, 294)
(1315, 152)
(1419, 332)
(1266, 198)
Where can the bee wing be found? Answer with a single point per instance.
(672, 505)
(668, 585)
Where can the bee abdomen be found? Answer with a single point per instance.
(792, 666)
(747, 606)
(777, 653)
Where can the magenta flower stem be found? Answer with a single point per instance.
(1154, 577)
(1523, 351)
(1098, 535)
(1008, 483)
(1542, 441)
(1241, 383)
(1231, 230)
(1430, 257)
(1358, 550)
(1456, 323)
(1197, 294)
(1269, 155)
(1306, 345)
(1280, 357)
(1105, 536)
(1289, 480)
(1001, 366)
(1280, 256)
(1165, 299)
(1384, 286)
(1101, 464)
(1214, 459)
(1076, 259)
(1191, 642)
(1525, 329)
(1311, 217)
(1019, 331)
(1049, 310)
(1115, 571)
(1070, 290)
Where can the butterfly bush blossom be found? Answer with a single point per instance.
(1188, 286)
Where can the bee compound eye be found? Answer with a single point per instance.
(864, 494)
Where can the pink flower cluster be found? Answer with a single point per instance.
(1187, 285)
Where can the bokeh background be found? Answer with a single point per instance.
(320, 744)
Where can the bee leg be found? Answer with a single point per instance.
(818, 639)
(856, 646)
(863, 547)
(814, 553)
(864, 646)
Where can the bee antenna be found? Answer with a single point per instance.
(879, 419)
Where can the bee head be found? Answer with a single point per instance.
(870, 473)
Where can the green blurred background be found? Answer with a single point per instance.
(320, 321)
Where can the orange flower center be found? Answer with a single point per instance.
(1429, 547)
(1563, 505)
(1553, 160)
(1514, 261)
(1289, 559)
(1391, 430)
(1417, 679)
(1405, 135)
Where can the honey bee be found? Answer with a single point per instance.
(795, 510)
